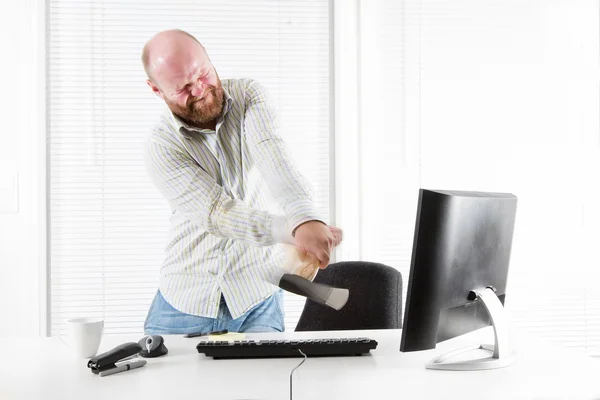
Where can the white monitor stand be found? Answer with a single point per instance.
(502, 355)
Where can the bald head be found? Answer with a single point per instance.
(168, 49)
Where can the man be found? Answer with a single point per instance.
(214, 155)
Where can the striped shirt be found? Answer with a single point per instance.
(235, 193)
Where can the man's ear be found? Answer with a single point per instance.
(155, 89)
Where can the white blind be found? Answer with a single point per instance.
(506, 99)
(108, 224)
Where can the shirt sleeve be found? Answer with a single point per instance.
(194, 193)
(290, 188)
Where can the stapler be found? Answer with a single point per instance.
(107, 361)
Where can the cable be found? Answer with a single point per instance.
(292, 372)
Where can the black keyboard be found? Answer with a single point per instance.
(286, 348)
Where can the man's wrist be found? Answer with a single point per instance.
(306, 222)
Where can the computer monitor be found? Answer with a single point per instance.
(457, 282)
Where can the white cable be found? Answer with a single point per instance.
(292, 372)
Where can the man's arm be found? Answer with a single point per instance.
(289, 187)
(195, 194)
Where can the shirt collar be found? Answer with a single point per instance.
(184, 128)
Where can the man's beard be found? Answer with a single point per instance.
(200, 112)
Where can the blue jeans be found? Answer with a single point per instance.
(164, 319)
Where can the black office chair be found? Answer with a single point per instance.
(375, 300)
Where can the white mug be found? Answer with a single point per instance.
(85, 335)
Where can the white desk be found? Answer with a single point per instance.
(43, 369)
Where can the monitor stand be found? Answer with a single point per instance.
(502, 353)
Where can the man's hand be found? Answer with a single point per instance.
(319, 239)
(337, 235)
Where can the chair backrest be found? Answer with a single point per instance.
(375, 300)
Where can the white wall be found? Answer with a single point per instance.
(509, 102)
(21, 177)
(506, 99)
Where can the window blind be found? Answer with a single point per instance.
(107, 224)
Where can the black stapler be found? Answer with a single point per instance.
(106, 361)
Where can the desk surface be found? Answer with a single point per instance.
(44, 369)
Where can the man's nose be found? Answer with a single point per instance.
(197, 89)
